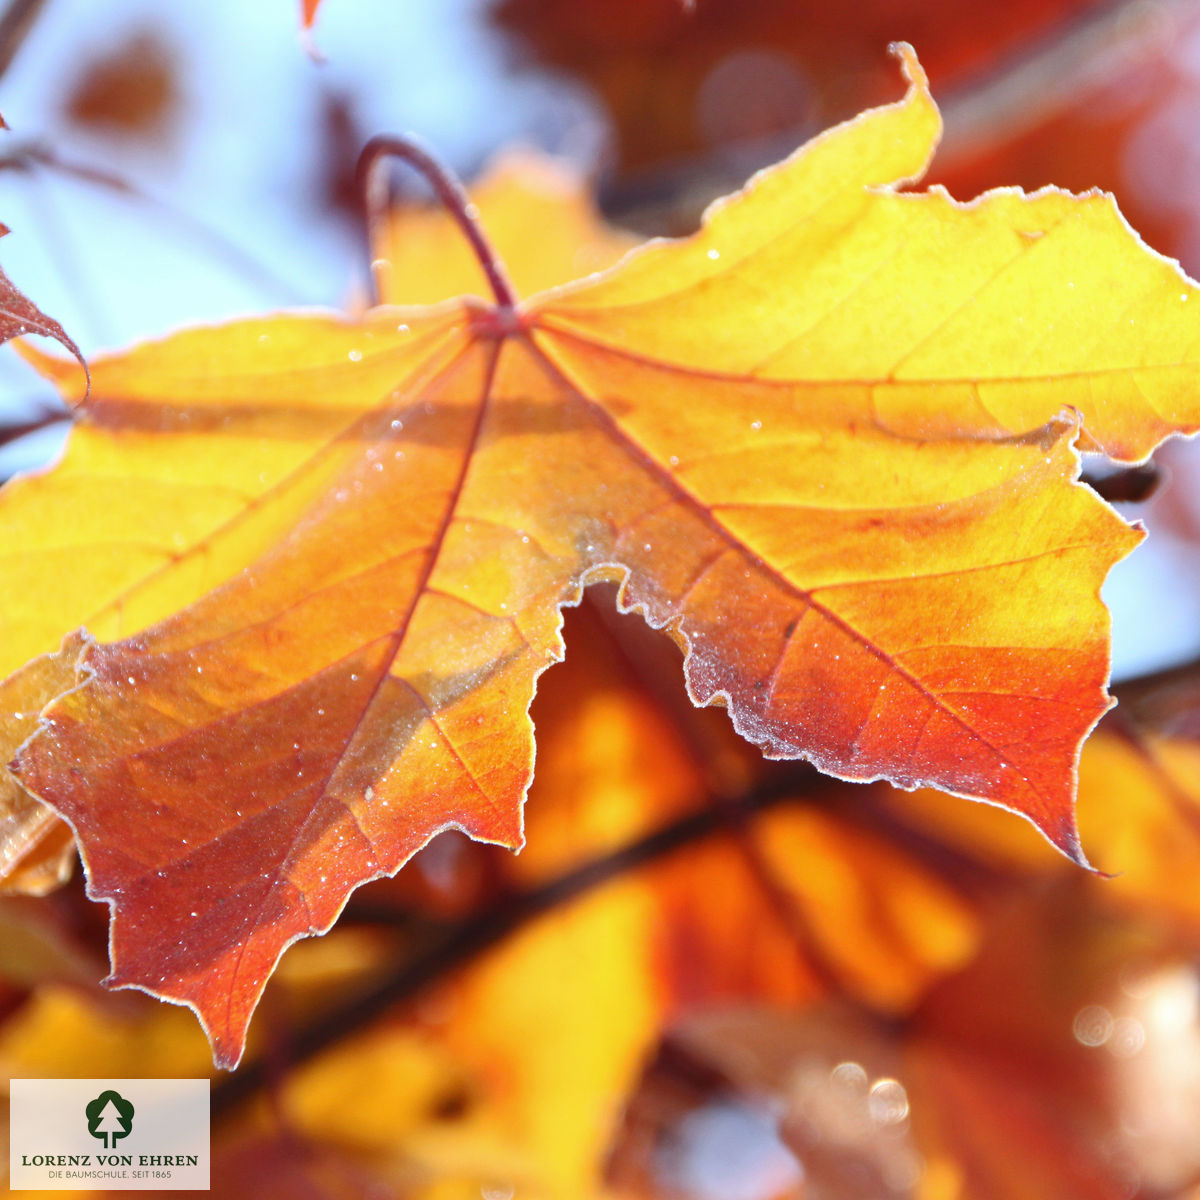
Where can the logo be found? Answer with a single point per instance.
(98, 1135)
(109, 1117)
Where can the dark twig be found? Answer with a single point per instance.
(66, 257)
(27, 155)
(1156, 697)
(43, 419)
(15, 25)
(490, 927)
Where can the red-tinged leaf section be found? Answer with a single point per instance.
(20, 316)
(866, 622)
(808, 441)
(37, 851)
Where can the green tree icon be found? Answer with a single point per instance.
(110, 1117)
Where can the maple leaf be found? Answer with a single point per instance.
(824, 442)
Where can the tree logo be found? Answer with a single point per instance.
(110, 1117)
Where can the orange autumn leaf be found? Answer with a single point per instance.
(168, 500)
(418, 255)
(827, 443)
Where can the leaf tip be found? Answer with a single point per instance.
(1066, 840)
(917, 110)
(226, 1038)
(910, 65)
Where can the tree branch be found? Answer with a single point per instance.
(487, 929)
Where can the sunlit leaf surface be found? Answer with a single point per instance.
(827, 443)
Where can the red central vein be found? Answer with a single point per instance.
(453, 496)
(395, 641)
